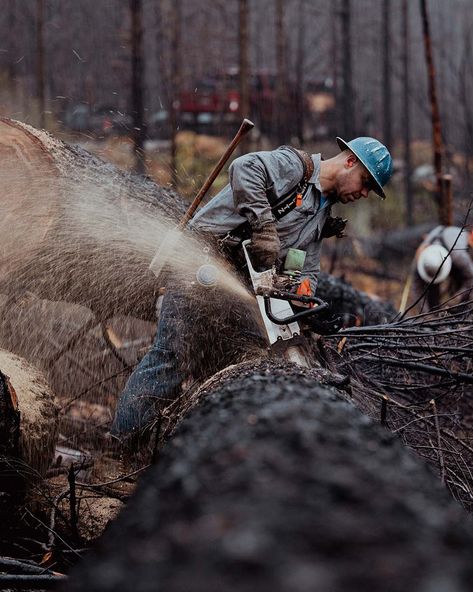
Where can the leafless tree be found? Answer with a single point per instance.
(348, 98)
(387, 87)
(406, 111)
(40, 80)
(436, 126)
(176, 85)
(244, 63)
(138, 133)
(280, 106)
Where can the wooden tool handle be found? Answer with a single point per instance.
(245, 127)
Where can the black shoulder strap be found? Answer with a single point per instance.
(306, 160)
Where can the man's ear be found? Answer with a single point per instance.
(351, 161)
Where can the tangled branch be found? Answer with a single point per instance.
(416, 375)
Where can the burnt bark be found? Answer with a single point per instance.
(437, 142)
(276, 483)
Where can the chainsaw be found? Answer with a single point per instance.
(285, 313)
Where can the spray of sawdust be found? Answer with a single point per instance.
(140, 233)
(77, 229)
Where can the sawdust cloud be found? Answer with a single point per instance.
(77, 236)
(53, 220)
(87, 237)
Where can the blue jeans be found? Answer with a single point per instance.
(157, 379)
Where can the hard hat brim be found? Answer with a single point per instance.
(444, 264)
(376, 186)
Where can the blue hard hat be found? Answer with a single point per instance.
(375, 157)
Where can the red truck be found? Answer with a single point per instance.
(213, 105)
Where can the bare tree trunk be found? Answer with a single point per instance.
(138, 133)
(387, 87)
(335, 45)
(281, 82)
(244, 69)
(465, 73)
(300, 115)
(40, 60)
(176, 83)
(348, 94)
(436, 126)
(407, 122)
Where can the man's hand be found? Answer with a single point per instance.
(265, 246)
(334, 227)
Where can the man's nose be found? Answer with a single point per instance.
(365, 192)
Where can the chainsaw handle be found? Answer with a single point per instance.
(282, 295)
(305, 314)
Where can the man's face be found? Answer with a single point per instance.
(353, 181)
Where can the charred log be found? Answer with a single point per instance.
(9, 436)
(276, 483)
(355, 307)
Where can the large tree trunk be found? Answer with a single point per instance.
(78, 229)
(277, 483)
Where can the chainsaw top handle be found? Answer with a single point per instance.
(298, 316)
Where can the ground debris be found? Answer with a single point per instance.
(416, 374)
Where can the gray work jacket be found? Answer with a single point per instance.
(258, 179)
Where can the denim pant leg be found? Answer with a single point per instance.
(156, 379)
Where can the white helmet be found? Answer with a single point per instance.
(429, 261)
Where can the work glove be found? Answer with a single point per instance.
(334, 227)
(265, 246)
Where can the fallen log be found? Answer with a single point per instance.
(76, 228)
(276, 483)
(30, 411)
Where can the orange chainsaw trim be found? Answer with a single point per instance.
(304, 289)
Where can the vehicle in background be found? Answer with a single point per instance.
(213, 106)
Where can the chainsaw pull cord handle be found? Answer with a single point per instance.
(245, 127)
